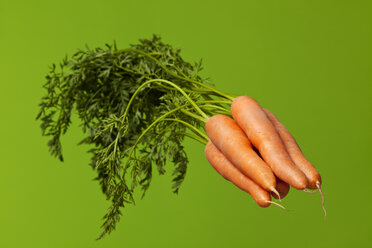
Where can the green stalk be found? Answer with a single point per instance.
(216, 109)
(191, 90)
(189, 126)
(142, 86)
(127, 70)
(227, 96)
(209, 106)
(203, 141)
(204, 120)
(219, 112)
(167, 82)
(214, 101)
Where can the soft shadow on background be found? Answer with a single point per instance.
(307, 61)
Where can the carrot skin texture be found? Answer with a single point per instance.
(230, 139)
(295, 152)
(282, 188)
(263, 135)
(226, 169)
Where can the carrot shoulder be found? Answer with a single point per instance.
(263, 135)
(230, 139)
(224, 167)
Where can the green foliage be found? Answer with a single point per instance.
(125, 100)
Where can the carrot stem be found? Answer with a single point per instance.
(227, 96)
(202, 119)
(217, 108)
(189, 126)
(203, 141)
(138, 90)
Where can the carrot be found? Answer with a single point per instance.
(263, 135)
(282, 188)
(294, 151)
(226, 169)
(228, 137)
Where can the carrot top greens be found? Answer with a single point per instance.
(136, 106)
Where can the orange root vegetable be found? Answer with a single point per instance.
(295, 152)
(260, 131)
(312, 175)
(282, 188)
(230, 139)
(224, 167)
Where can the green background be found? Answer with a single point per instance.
(307, 61)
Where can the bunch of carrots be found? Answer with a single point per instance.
(137, 105)
(257, 153)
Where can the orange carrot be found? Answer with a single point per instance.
(282, 188)
(228, 137)
(294, 151)
(263, 135)
(224, 167)
(312, 175)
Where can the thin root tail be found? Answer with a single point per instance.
(310, 192)
(321, 195)
(277, 204)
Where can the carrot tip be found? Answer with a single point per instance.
(321, 195)
(276, 193)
